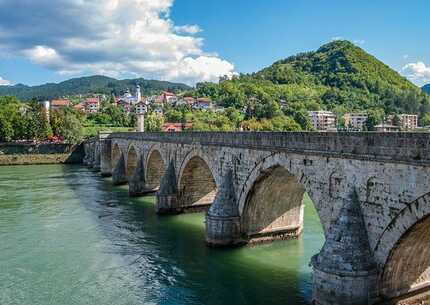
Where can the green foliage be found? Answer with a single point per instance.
(154, 122)
(375, 117)
(278, 123)
(93, 84)
(426, 88)
(339, 77)
(111, 115)
(19, 121)
(67, 123)
(212, 121)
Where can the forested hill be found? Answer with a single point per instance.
(426, 88)
(92, 84)
(339, 76)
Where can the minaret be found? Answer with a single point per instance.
(138, 94)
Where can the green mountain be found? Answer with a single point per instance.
(426, 88)
(339, 76)
(92, 84)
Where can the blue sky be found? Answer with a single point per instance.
(195, 40)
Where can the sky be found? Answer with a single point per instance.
(200, 40)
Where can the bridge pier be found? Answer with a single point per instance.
(167, 196)
(222, 220)
(344, 271)
(137, 185)
(119, 176)
(105, 155)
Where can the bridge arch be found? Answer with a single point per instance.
(271, 200)
(155, 168)
(403, 251)
(116, 155)
(196, 184)
(132, 162)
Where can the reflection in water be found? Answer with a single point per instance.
(69, 237)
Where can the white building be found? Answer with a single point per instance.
(408, 121)
(355, 120)
(323, 120)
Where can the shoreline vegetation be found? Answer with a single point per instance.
(40, 153)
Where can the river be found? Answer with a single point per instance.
(68, 237)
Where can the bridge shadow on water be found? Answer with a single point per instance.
(171, 263)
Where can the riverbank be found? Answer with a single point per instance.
(45, 153)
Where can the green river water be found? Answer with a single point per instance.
(68, 237)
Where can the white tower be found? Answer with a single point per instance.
(138, 94)
(46, 105)
(140, 109)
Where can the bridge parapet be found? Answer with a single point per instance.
(400, 147)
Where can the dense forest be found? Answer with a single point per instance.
(91, 84)
(339, 76)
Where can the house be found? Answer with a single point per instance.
(323, 120)
(202, 104)
(158, 110)
(190, 100)
(387, 128)
(92, 105)
(168, 98)
(355, 120)
(176, 127)
(80, 107)
(125, 105)
(140, 108)
(60, 104)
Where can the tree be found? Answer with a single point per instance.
(67, 125)
(375, 117)
(153, 122)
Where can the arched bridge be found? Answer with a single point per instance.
(371, 191)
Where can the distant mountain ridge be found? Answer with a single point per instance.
(426, 88)
(91, 84)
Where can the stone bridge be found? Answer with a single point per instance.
(371, 191)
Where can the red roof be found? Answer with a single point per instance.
(79, 107)
(203, 100)
(60, 103)
(168, 93)
(92, 100)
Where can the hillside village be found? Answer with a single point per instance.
(132, 102)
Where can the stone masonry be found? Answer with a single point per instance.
(371, 191)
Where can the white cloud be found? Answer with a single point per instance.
(417, 72)
(4, 82)
(119, 38)
(188, 29)
(337, 38)
(359, 41)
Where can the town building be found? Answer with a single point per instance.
(80, 107)
(355, 120)
(190, 100)
(158, 110)
(323, 120)
(60, 104)
(384, 127)
(168, 98)
(140, 108)
(408, 121)
(202, 104)
(92, 105)
(127, 101)
(176, 127)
